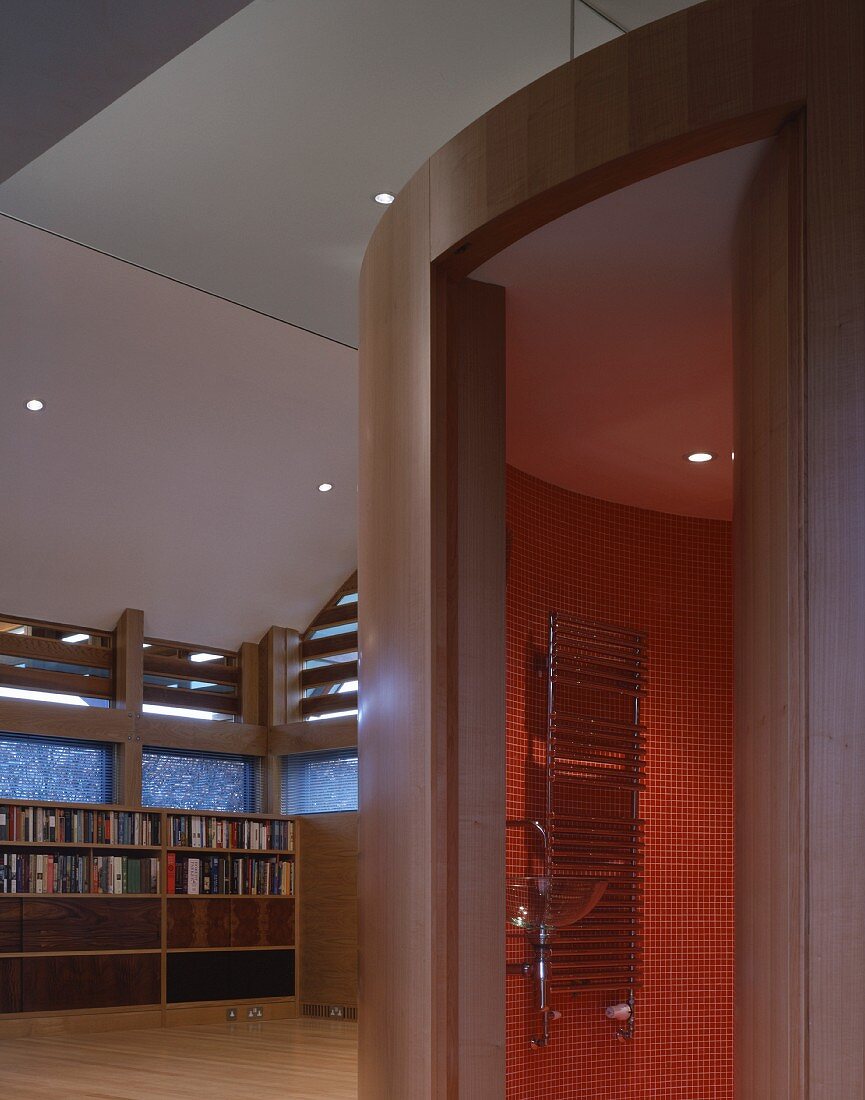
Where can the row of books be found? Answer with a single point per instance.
(68, 873)
(247, 875)
(52, 825)
(197, 831)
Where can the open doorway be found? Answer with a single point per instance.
(626, 322)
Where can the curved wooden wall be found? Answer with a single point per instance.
(717, 75)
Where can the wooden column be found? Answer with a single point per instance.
(770, 651)
(279, 696)
(129, 696)
(431, 732)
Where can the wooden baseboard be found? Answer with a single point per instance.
(189, 1015)
(74, 1023)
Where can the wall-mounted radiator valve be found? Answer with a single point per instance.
(623, 1015)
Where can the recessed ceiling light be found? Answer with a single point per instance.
(699, 456)
(384, 198)
(200, 658)
(76, 638)
(34, 404)
(325, 487)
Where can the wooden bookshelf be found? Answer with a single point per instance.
(132, 959)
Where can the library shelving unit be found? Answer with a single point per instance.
(153, 917)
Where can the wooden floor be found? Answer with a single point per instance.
(287, 1059)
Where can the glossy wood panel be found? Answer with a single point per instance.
(191, 922)
(89, 981)
(771, 744)
(262, 922)
(84, 924)
(10, 924)
(327, 909)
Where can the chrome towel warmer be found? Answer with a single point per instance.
(591, 829)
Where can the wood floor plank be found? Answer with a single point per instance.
(284, 1059)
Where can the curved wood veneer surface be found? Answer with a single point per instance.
(431, 559)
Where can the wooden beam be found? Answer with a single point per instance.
(250, 698)
(60, 720)
(335, 733)
(198, 733)
(129, 662)
(129, 697)
(321, 704)
(279, 675)
(330, 647)
(49, 649)
(66, 683)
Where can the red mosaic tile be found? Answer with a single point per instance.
(670, 577)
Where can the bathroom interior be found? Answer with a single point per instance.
(619, 508)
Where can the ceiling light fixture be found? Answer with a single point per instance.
(700, 456)
(34, 405)
(384, 198)
(76, 638)
(325, 487)
(200, 658)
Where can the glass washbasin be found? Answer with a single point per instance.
(540, 901)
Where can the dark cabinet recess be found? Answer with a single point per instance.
(230, 975)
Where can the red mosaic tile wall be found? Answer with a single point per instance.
(669, 576)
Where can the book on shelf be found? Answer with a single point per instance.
(240, 875)
(73, 873)
(68, 825)
(200, 831)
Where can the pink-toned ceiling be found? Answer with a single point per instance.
(619, 340)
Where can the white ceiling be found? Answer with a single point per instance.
(175, 465)
(246, 165)
(619, 340)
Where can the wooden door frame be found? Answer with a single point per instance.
(710, 78)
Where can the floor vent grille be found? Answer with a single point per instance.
(329, 1012)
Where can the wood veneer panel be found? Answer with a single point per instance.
(10, 924)
(397, 1034)
(473, 830)
(89, 981)
(65, 923)
(770, 749)
(835, 319)
(327, 909)
(262, 922)
(192, 922)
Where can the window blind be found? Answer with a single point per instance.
(319, 782)
(56, 769)
(187, 780)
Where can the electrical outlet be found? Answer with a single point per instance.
(336, 1012)
(231, 1014)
